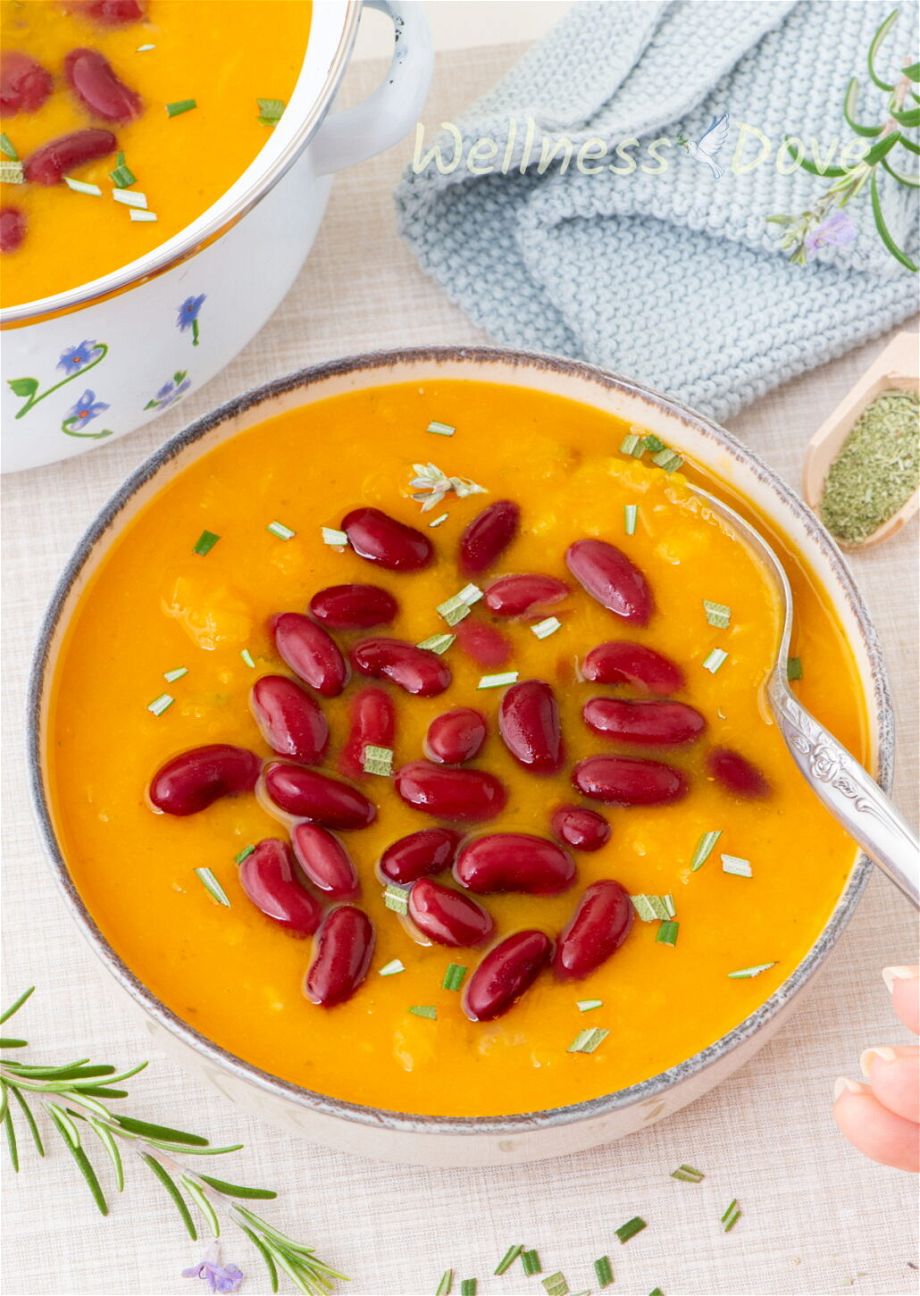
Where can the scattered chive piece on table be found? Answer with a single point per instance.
(396, 898)
(632, 445)
(531, 1262)
(587, 1041)
(206, 542)
(603, 1271)
(440, 429)
(136, 214)
(332, 536)
(6, 148)
(437, 643)
(688, 1174)
(453, 978)
(510, 1255)
(247, 658)
(80, 186)
(653, 908)
(737, 865)
(586, 1005)
(732, 1215)
(122, 176)
(744, 973)
(447, 1281)
(703, 848)
(377, 760)
(630, 515)
(667, 933)
(424, 1010)
(171, 676)
(270, 111)
(543, 629)
(281, 531)
(243, 855)
(180, 106)
(631, 1228)
(717, 614)
(468, 1287)
(12, 173)
(656, 1291)
(556, 1285)
(130, 198)
(794, 669)
(212, 886)
(392, 968)
(717, 658)
(161, 704)
(439, 520)
(497, 681)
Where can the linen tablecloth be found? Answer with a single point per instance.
(817, 1217)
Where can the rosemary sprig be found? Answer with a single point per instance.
(71, 1097)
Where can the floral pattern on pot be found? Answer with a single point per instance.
(74, 360)
(171, 391)
(188, 316)
(86, 409)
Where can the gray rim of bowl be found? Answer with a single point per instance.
(183, 245)
(516, 1123)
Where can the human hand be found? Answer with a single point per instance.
(882, 1117)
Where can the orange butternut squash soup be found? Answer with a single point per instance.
(124, 120)
(412, 747)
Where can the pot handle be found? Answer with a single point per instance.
(356, 134)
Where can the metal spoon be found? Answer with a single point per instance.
(850, 793)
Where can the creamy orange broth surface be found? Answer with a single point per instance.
(224, 54)
(155, 605)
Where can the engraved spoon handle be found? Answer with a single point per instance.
(849, 792)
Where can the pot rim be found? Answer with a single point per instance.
(184, 245)
(517, 1123)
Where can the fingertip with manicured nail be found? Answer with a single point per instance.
(844, 1085)
(892, 974)
(880, 1051)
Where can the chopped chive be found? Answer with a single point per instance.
(12, 173)
(212, 886)
(794, 669)
(437, 643)
(531, 1262)
(393, 968)
(456, 608)
(440, 429)
(137, 215)
(509, 1257)
(498, 681)
(630, 515)
(714, 660)
(588, 1005)
(656, 1291)
(270, 111)
(281, 531)
(447, 1281)
(603, 1271)
(631, 1228)
(737, 865)
(632, 445)
(206, 542)
(6, 148)
(453, 980)
(424, 1010)
(377, 760)
(556, 1285)
(142, 49)
(160, 704)
(667, 933)
(543, 629)
(396, 898)
(244, 854)
(332, 536)
(247, 658)
(653, 443)
(468, 1287)
(745, 973)
(81, 186)
(654, 908)
(703, 848)
(129, 197)
(669, 460)
(587, 1041)
(688, 1174)
(171, 676)
(180, 106)
(732, 1215)
(122, 176)
(439, 520)
(717, 614)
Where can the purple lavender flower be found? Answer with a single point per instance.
(836, 230)
(86, 409)
(77, 357)
(188, 316)
(220, 1278)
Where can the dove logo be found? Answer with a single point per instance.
(708, 145)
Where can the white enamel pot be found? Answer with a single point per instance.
(103, 359)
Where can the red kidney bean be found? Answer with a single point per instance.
(621, 780)
(325, 861)
(505, 973)
(597, 929)
(447, 917)
(373, 724)
(456, 736)
(311, 652)
(483, 643)
(528, 721)
(514, 596)
(48, 164)
(622, 662)
(419, 855)
(650, 723)
(290, 720)
(193, 780)
(514, 862)
(612, 578)
(12, 229)
(24, 83)
(343, 950)
(580, 828)
(736, 773)
(488, 535)
(113, 13)
(381, 539)
(268, 877)
(471, 796)
(416, 670)
(353, 607)
(308, 794)
(94, 82)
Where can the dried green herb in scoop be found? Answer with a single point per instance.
(877, 470)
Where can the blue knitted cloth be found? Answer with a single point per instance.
(676, 277)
